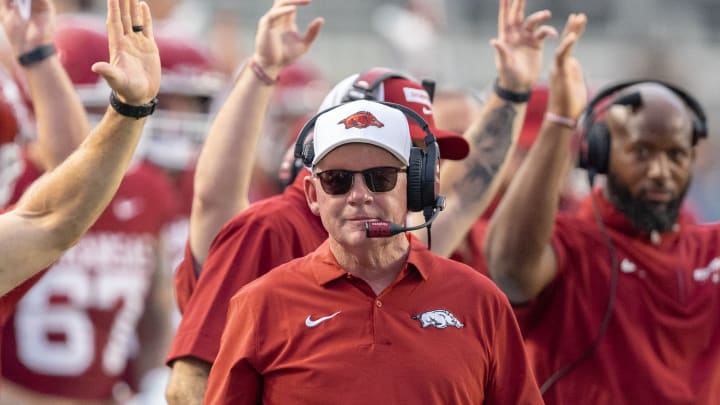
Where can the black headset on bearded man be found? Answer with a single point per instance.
(595, 142)
(422, 172)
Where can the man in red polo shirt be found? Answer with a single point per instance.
(622, 309)
(281, 228)
(369, 320)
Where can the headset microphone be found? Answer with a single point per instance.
(384, 229)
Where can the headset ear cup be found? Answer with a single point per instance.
(414, 180)
(308, 154)
(598, 148)
(431, 176)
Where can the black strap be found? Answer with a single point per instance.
(36, 55)
(133, 111)
(510, 96)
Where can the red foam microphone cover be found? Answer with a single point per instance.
(377, 229)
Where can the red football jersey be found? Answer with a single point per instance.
(309, 332)
(662, 345)
(11, 168)
(9, 301)
(73, 333)
(267, 234)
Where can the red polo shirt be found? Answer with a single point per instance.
(308, 332)
(663, 341)
(267, 234)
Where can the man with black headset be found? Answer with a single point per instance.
(622, 309)
(370, 320)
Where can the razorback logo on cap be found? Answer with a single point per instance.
(361, 119)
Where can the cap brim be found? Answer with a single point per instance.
(452, 145)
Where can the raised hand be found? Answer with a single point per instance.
(519, 45)
(25, 35)
(278, 42)
(133, 71)
(568, 92)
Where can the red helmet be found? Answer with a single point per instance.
(299, 90)
(187, 67)
(15, 117)
(188, 85)
(15, 127)
(81, 41)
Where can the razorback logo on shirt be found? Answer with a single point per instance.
(711, 272)
(439, 318)
(361, 119)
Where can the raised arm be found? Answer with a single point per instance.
(52, 215)
(61, 120)
(222, 177)
(517, 247)
(467, 183)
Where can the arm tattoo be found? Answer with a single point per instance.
(490, 145)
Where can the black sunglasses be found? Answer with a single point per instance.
(377, 179)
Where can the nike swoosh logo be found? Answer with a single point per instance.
(311, 324)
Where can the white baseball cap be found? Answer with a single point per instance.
(409, 93)
(363, 121)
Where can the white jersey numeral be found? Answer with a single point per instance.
(37, 320)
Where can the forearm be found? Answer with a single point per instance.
(470, 184)
(223, 173)
(62, 123)
(188, 381)
(519, 231)
(65, 202)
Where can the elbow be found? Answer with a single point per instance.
(173, 394)
(178, 394)
(187, 383)
(64, 233)
(211, 202)
(511, 270)
(517, 289)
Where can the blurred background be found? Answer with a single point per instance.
(447, 40)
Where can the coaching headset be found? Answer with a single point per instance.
(423, 184)
(595, 138)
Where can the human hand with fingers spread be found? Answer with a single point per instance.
(25, 35)
(519, 45)
(568, 92)
(133, 71)
(277, 41)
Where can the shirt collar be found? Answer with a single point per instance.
(326, 268)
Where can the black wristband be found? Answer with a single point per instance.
(36, 55)
(133, 111)
(511, 96)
